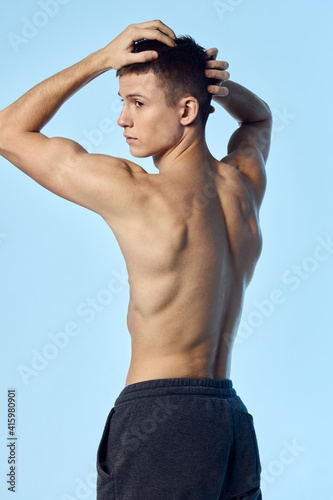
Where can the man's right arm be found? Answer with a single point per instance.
(248, 147)
(104, 184)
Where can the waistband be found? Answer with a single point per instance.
(220, 388)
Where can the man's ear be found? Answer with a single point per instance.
(189, 109)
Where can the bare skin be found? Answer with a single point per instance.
(189, 260)
(190, 235)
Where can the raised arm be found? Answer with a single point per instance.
(98, 182)
(249, 145)
(253, 116)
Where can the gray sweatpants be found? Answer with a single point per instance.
(179, 439)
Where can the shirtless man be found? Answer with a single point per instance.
(190, 237)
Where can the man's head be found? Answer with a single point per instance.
(179, 70)
(175, 86)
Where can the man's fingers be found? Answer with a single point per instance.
(217, 65)
(156, 27)
(218, 75)
(143, 57)
(151, 34)
(217, 90)
(156, 24)
(120, 50)
(211, 53)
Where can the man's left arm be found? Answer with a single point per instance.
(62, 165)
(249, 145)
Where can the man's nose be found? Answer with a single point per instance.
(124, 119)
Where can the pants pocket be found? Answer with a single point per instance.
(244, 465)
(105, 488)
(105, 480)
(258, 464)
(103, 464)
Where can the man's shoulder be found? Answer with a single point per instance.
(249, 170)
(134, 167)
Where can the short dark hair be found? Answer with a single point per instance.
(180, 70)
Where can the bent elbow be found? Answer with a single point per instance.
(269, 112)
(5, 133)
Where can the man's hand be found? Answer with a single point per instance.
(120, 53)
(216, 69)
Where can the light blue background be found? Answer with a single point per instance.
(56, 255)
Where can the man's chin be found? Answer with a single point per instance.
(142, 152)
(140, 155)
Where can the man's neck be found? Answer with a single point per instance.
(190, 154)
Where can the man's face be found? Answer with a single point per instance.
(155, 127)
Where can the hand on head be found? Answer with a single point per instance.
(120, 51)
(216, 70)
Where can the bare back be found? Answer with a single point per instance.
(189, 255)
(190, 237)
